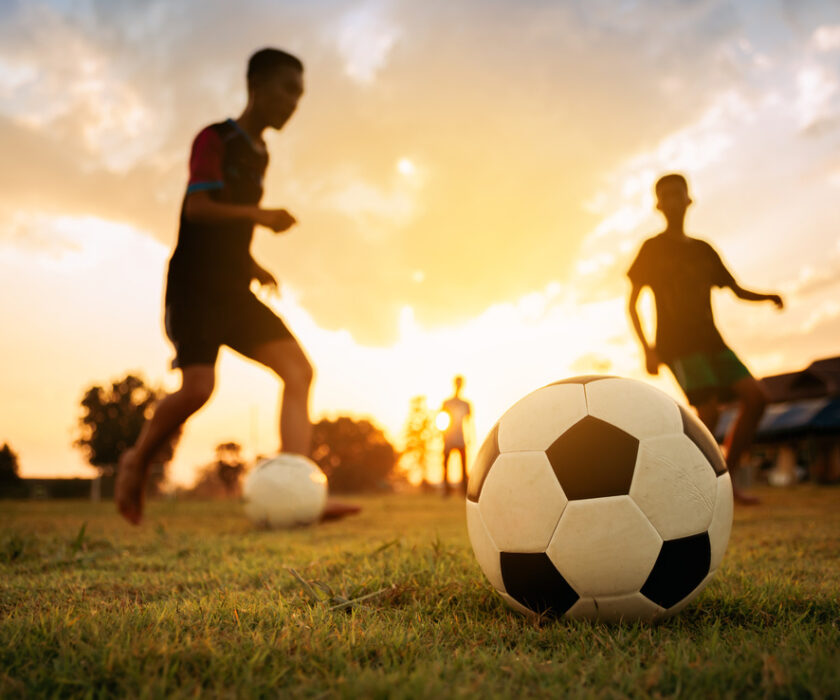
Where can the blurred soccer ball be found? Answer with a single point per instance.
(599, 497)
(285, 491)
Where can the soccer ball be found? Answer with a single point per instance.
(599, 497)
(285, 491)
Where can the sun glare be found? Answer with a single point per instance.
(442, 421)
(405, 167)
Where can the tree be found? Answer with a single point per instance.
(355, 455)
(111, 421)
(229, 466)
(222, 477)
(419, 436)
(10, 480)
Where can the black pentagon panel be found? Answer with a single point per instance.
(700, 436)
(680, 567)
(594, 459)
(583, 379)
(533, 580)
(482, 463)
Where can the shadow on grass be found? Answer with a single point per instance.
(732, 612)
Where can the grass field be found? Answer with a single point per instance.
(388, 604)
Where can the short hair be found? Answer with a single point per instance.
(668, 179)
(265, 61)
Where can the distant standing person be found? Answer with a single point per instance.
(208, 297)
(458, 412)
(681, 271)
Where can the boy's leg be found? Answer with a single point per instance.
(447, 451)
(197, 383)
(709, 413)
(288, 361)
(752, 401)
(463, 453)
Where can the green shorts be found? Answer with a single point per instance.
(706, 376)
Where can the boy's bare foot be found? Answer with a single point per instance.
(335, 510)
(129, 487)
(745, 499)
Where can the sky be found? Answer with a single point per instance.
(471, 181)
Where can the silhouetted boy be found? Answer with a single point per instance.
(681, 271)
(208, 300)
(458, 412)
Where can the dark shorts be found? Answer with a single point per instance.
(240, 321)
(707, 376)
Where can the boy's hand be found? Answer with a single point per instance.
(777, 300)
(652, 361)
(264, 277)
(278, 220)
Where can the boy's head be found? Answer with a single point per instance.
(672, 195)
(275, 84)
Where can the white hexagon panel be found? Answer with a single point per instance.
(674, 485)
(635, 407)
(521, 502)
(604, 546)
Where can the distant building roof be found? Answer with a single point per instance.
(791, 419)
(821, 379)
(801, 403)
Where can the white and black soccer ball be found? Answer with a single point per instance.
(599, 497)
(285, 491)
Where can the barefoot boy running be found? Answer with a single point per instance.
(681, 271)
(208, 300)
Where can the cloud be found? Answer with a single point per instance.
(816, 277)
(55, 77)
(376, 210)
(827, 38)
(828, 312)
(365, 39)
(69, 244)
(517, 112)
(54, 175)
(141, 80)
(625, 202)
(815, 103)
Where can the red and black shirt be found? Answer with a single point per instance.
(212, 261)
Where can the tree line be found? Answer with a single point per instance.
(355, 454)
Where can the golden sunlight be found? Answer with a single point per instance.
(442, 420)
(405, 167)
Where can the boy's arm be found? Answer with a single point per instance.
(748, 295)
(652, 361)
(726, 279)
(200, 207)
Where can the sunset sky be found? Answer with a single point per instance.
(472, 180)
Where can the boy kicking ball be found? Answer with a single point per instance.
(208, 298)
